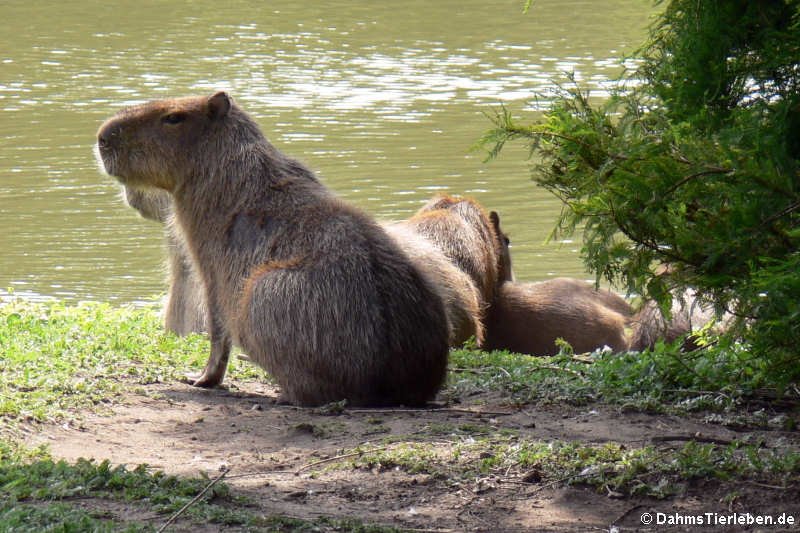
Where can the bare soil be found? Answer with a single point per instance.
(273, 451)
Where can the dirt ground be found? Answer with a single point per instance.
(271, 451)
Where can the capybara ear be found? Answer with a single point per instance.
(495, 218)
(218, 105)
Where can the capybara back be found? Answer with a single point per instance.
(466, 235)
(529, 317)
(461, 299)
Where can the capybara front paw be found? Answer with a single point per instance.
(204, 380)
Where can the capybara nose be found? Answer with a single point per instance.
(106, 135)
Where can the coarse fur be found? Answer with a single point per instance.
(184, 309)
(312, 289)
(687, 316)
(529, 317)
(505, 268)
(460, 296)
(469, 238)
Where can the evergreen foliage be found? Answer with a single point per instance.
(693, 163)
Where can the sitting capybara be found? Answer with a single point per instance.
(312, 289)
(469, 238)
(460, 296)
(529, 317)
(184, 309)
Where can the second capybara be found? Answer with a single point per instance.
(529, 317)
(184, 309)
(461, 299)
(469, 237)
(311, 288)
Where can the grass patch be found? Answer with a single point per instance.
(717, 378)
(39, 494)
(610, 467)
(58, 359)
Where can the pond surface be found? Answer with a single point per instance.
(382, 99)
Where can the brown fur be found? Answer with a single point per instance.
(184, 307)
(505, 270)
(466, 235)
(350, 317)
(459, 294)
(688, 315)
(529, 317)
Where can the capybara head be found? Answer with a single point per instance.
(166, 143)
(470, 237)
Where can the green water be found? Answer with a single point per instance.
(382, 99)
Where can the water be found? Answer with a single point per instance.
(382, 99)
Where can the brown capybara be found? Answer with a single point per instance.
(184, 308)
(469, 238)
(312, 289)
(529, 317)
(459, 294)
(688, 315)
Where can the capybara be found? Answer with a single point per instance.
(184, 308)
(688, 315)
(529, 317)
(311, 288)
(464, 232)
(459, 294)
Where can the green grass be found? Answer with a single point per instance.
(38, 494)
(609, 467)
(59, 359)
(719, 378)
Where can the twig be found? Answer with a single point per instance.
(530, 133)
(469, 370)
(764, 485)
(476, 371)
(553, 367)
(687, 438)
(503, 370)
(558, 482)
(626, 513)
(194, 500)
(264, 473)
(692, 391)
(440, 410)
(331, 459)
(696, 175)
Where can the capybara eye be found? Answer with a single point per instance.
(174, 118)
